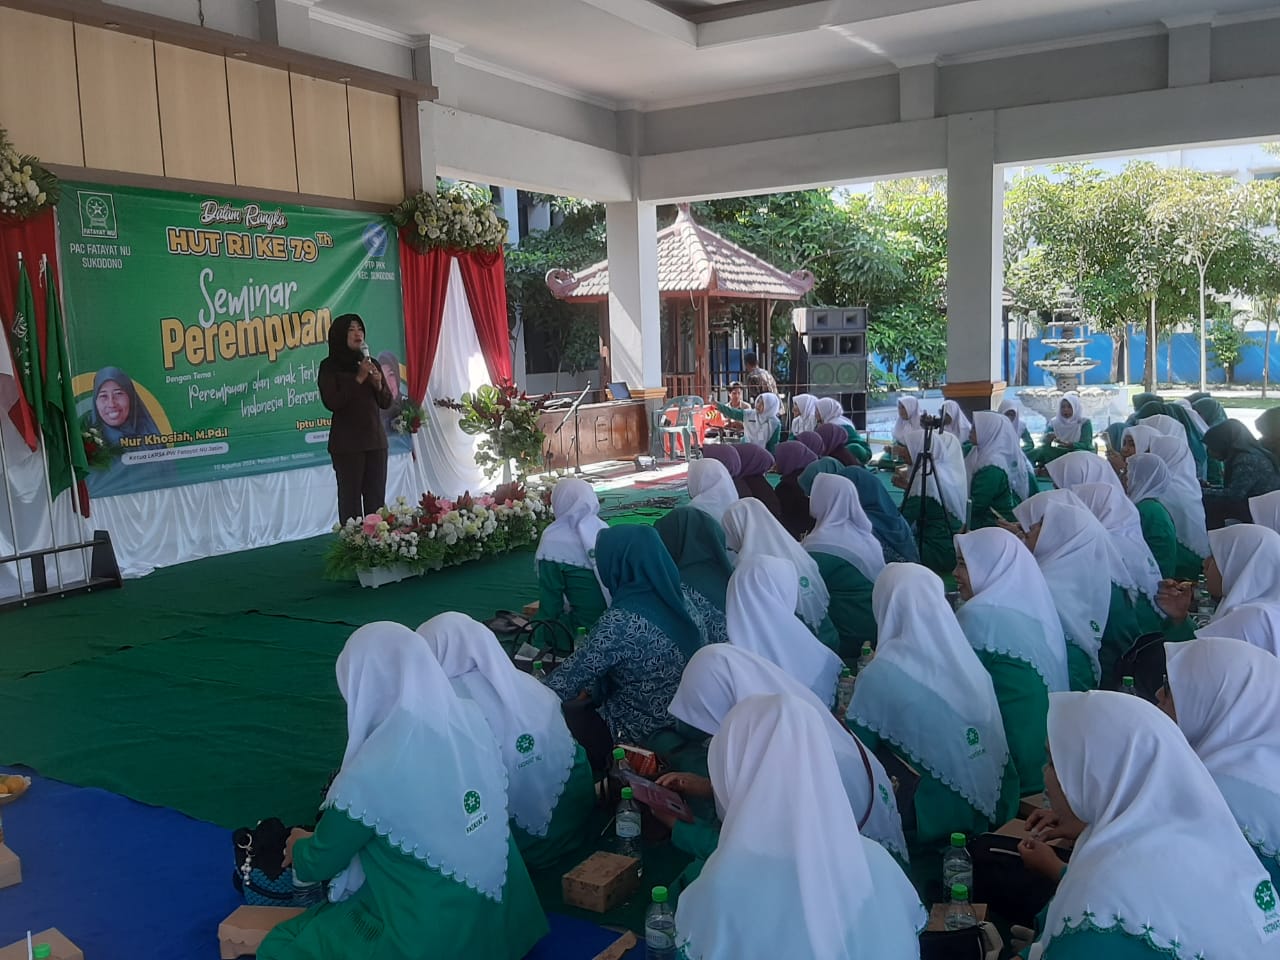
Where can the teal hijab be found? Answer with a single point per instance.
(811, 472)
(642, 579)
(1194, 398)
(886, 522)
(1210, 410)
(696, 544)
(1140, 400)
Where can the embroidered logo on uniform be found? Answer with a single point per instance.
(884, 795)
(471, 802)
(1093, 625)
(971, 736)
(1264, 895)
(804, 583)
(524, 743)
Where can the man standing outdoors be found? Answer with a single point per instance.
(759, 380)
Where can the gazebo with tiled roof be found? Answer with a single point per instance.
(700, 274)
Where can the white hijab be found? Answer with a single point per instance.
(711, 488)
(1129, 774)
(1224, 693)
(998, 446)
(1178, 458)
(1141, 436)
(1265, 510)
(1032, 510)
(911, 407)
(1197, 421)
(750, 529)
(721, 675)
(807, 403)
(830, 411)
(1004, 576)
(1119, 517)
(959, 426)
(842, 528)
(1150, 479)
(1165, 425)
(1072, 551)
(949, 483)
(1080, 466)
(524, 715)
(421, 765)
(1067, 429)
(1008, 406)
(571, 536)
(953, 727)
(1249, 557)
(791, 876)
(758, 428)
(1254, 623)
(759, 613)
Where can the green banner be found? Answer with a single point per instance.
(197, 325)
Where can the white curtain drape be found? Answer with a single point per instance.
(159, 528)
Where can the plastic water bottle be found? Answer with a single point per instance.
(844, 692)
(538, 672)
(660, 928)
(1126, 686)
(626, 825)
(620, 766)
(865, 656)
(957, 866)
(580, 638)
(959, 911)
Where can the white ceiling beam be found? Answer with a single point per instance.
(650, 16)
(824, 14)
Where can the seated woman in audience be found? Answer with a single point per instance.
(888, 525)
(1011, 410)
(711, 487)
(1140, 400)
(722, 675)
(830, 412)
(790, 460)
(790, 848)
(569, 590)
(1162, 870)
(414, 841)
(1268, 427)
(1222, 694)
(1010, 621)
(941, 503)
(908, 419)
(727, 455)
(1172, 517)
(696, 544)
(849, 557)
(760, 614)
(952, 734)
(1212, 413)
(551, 791)
(761, 424)
(997, 480)
(1248, 470)
(804, 413)
(837, 444)
(755, 463)
(955, 423)
(1064, 539)
(1069, 430)
(813, 440)
(1158, 415)
(751, 531)
(1078, 467)
(1265, 510)
(630, 664)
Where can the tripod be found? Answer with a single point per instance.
(573, 412)
(924, 468)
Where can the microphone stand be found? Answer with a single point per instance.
(573, 412)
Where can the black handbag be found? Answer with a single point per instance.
(905, 779)
(968, 944)
(1145, 662)
(1002, 881)
(260, 874)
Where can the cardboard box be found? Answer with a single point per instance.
(1028, 805)
(10, 869)
(1018, 830)
(601, 882)
(243, 932)
(938, 914)
(63, 949)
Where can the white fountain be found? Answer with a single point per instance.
(1066, 369)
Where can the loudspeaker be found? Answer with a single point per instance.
(829, 351)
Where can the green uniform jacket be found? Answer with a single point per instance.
(1024, 709)
(698, 839)
(858, 446)
(1079, 669)
(559, 586)
(1094, 944)
(1047, 452)
(938, 552)
(1028, 444)
(405, 910)
(941, 811)
(850, 608)
(740, 416)
(1127, 621)
(989, 490)
(565, 832)
(1161, 537)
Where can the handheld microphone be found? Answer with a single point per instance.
(364, 350)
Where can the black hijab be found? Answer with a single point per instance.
(342, 356)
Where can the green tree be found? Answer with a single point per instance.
(1227, 338)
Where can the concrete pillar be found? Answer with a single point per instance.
(511, 213)
(1189, 54)
(975, 262)
(284, 23)
(540, 217)
(635, 346)
(918, 92)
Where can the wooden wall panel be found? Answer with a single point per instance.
(119, 112)
(39, 102)
(321, 137)
(376, 156)
(195, 118)
(261, 126)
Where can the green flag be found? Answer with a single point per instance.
(67, 460)
(26, 345)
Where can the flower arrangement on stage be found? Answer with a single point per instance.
(26, 187)
(437, 532)
(97, 451)
(455, 218)
(410, 418)
(507, 421)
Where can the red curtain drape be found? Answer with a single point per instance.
(426, 279)
(484, 277)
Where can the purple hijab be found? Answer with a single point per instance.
(837, 441)
(813, 440)
(727, 454)
(755, 460)
(793, 456)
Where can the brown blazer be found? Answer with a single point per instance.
(356, 407)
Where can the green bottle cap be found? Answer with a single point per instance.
(957, 839)
(627, 793)
(866, 646)
(659, 894)
(41, 951)
(959, 891)
(619, 754)
(1126, 681)
(537, 664)
(846, 672)
(582, 631)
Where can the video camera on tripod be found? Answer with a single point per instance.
(929, 423)
(922, 466)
